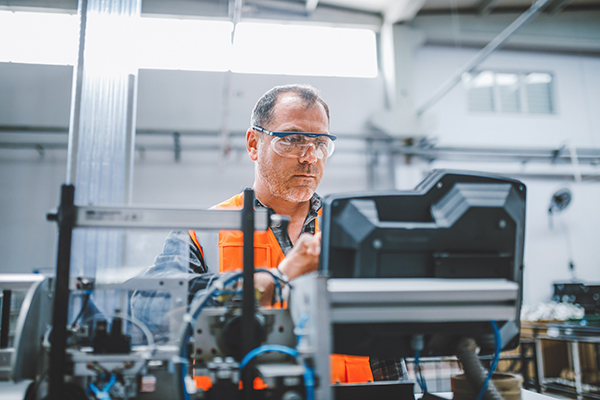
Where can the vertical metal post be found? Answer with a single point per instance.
(130, 137)
(539, 355)
(322, 327)
(5, 324)
(574, 345)
(235, 13)
(66, 220)
(248, 306)
(371, 163)
(76, 97)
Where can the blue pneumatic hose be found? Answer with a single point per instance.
(495, 362)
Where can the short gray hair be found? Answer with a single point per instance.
(262, 114)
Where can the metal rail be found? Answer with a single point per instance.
(388, 145)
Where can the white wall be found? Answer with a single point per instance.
(577, 95)
(29, 188)
(546, 254)
(194, 100)
(35, 95)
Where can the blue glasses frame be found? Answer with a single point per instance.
(284, 134)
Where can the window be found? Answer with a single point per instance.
(505, 92)
(480, 91)
(539, 93)
(186, 44)
(287, 49)
(191, 44)
(38, 38)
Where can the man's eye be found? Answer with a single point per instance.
(295, 139)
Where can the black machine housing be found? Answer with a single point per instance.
(452, 225)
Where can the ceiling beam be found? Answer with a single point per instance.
(402, 10)
(558, 6)
(484, 7)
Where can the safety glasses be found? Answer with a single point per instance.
(296, 144)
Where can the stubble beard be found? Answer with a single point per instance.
(280, 186)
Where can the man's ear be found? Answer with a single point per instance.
(252, 140)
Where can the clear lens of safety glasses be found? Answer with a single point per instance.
(292, 146)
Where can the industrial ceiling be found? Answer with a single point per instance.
(565, 26)
(394, 10)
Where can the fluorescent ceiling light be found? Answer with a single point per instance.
(265, 48)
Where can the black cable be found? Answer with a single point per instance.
(84, 305)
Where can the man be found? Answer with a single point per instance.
(289, 142)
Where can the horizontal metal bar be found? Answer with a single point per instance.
(420, 291)
(429, 313)
(19, 281)
(135, 283)
(422, 300)
(558, 156)
(65, 130)
(58, 130)
(172, 218)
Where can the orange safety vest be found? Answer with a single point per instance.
(268, 254)
(267, 251)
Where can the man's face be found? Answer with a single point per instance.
(291, 179)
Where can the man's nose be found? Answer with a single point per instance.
(310, 154)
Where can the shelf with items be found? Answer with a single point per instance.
(567, 356)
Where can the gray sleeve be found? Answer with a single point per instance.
(151, 307)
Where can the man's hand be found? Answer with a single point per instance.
(304, 257)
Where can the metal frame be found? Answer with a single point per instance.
(331, 301)
(70, 216)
